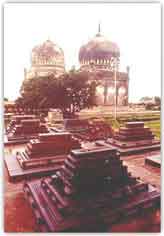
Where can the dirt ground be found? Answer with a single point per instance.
(18, 216)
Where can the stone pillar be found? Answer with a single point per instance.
(105, 92)
(25, 73)
(117, 96)
(127, 85)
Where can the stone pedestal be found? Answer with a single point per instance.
(93, 188)
(41, 156)
(55, 116)
(47, 149)
(133, 138)
(87, 130)
(16, 120)
(23, 128)
(154, 160)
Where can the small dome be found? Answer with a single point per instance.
(48, 53)
(46, 59)
(99, 48)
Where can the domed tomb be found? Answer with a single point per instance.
(99, 52)
(46, 59)
(100, 57)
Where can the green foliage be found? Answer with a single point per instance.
(146, 98)
(71, 92)
(157, 100)
(155, 127)
(149, 106)
(152, 103)
(151, 120)
(112, 121)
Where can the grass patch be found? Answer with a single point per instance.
(155, 127)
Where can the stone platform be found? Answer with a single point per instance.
(16, 120)
(73, 125)
(15, 203)
(131, 150)
(86, 130)
(16, 173)
(98, 130)
(153, 160)
(22, 129)
(93, 188)
(40, 156)
(17, 141)
(131, 139)
(49, 221)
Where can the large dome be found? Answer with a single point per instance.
(98, 50)
(47, 53)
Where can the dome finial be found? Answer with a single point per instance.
(99, 30)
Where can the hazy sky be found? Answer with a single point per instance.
(136, 28)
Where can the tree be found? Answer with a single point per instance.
(78, 92)
(157, 100)
(71, 92)
(149, 106)
(146, 98)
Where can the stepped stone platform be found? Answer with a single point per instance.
(98, 130)
(41, 155)
(73, 125)
(86, 130)
(7, 117)
(132, 139)
(92, 189)
(154, 160)
(23, 128)
(16, 120)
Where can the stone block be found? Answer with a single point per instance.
(93, 186)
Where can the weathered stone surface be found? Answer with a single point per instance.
(16, 120)
(41, 155)
(87, 130)
(22, 128)
(93, 187)
(47, 145)
(15, 203)
(154, 160)
(133, 138)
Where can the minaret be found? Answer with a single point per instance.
(128, 69)
(25, 73)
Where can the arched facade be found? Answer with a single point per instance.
(108, 87)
